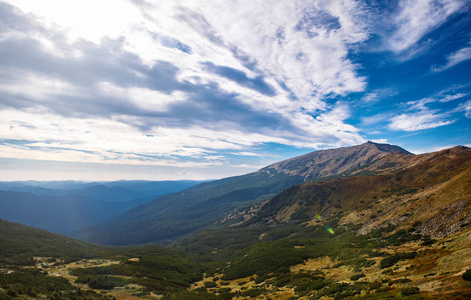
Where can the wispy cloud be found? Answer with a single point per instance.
(378, 95)
(415, 18)
(424, 119)
(421, 116)
(421, 104)
(455, 58)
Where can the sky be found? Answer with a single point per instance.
(185, 89)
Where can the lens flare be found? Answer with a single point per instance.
(329, 229)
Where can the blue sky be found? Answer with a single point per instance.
(135, 89)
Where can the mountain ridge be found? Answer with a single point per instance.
(437, 181)
(341, 160)
(182, 213)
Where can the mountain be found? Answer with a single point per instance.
(434, 190)
(400, 232)
(67, 206)
(60, 214)
(20, 243)
(334, 162)
(176, 215)
(114, 191)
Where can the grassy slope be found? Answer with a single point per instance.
(154, 268)
(394, 257)
(21, 243)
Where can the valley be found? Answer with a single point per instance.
(394, 225)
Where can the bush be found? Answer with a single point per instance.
(388, 261)
(252, 293)
(392, 260)
(357, 276)
(106, 282)
(467, 275)
(210, 284)
(410, 291)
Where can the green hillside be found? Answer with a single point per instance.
(20, 243)
(39, 264)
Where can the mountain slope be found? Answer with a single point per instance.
(60, 214)
(185, 212)
(400, 234)
(20, 243)
(433, 190)
(36, 264)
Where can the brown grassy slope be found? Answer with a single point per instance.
(434, 189)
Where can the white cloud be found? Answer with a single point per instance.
(310, 67)
(415, 18)
(455, 58)
(465, 107)
(375, 119)
(423, 117)
(378, 95)
(147, 99)
(38, 87)
(140, 81)
(421, 104)
(87, 19)
(380, 141)
(46, 136)
(468, 109)
(419, 121)
(245, 153)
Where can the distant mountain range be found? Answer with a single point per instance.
(67, 206)
(182, 213)
(114, 191)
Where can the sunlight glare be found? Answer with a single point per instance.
(87, 19)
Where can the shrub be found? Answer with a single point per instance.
(467, 275)
(410, 291)
(252, 293)
(388, 261)
(210, 284)
(357, 276)
(392, 260)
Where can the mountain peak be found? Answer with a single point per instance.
(332, 162)
(384, 147)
